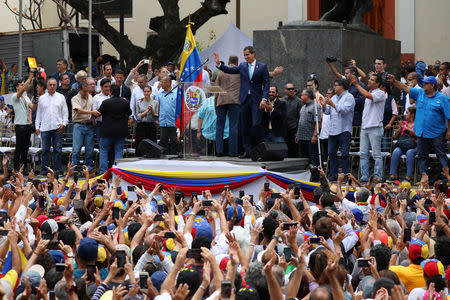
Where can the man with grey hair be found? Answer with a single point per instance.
(51, 128)
(137, 94)
(361, 198)
(79, 77)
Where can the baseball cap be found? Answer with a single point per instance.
(432, 267)
(57, 256)
(239, 210)
(88, 249)
(417, 249)
(101, 254)
(247, 292)
(158, 278)
(430, 79)
(359, 215)
(33, 277)
(49, 228)
(41, 219)
(202, 228)
(382, 235)
(191, 276)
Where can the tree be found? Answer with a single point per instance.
(33, 13)
(167, 43)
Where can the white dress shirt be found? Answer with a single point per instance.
(137, 94)
(97, 101)
(52, 112)
(98, 88)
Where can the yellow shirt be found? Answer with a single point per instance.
(12, 277)
(411, 276)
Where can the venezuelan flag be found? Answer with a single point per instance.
(190, 60)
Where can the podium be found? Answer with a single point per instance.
(194, 95)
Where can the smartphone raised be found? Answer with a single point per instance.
(241, 194)
(238, 201)
(116, 213)
(90, 270)
(297, 190)
(178, 197)
(103, 229)
(130, 188)
(226, 187)
(432, 217)
(169, 235)
(194, 253)
(60, 267)
(207, 203)
(287, 254)
(158, 218)
(266, 186)
(363, 262)
(286, 226)
(225, 289)
(314, 240)
(119, 191)
(121, 257)
(143, 276)
(407, 235)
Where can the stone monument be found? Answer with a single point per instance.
(301, 47)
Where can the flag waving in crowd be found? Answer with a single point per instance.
(190, 61)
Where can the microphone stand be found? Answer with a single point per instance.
(186, 77)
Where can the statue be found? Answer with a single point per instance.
(346, 10)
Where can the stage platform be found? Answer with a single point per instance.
(288, 165)
(212, 173)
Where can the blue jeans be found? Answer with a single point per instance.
(83, 135)
(371, 138)
(341, 140)
(232, 110)
(107, 144)
(271, 138)
(48, 139)
(410, 155)
(424, 147)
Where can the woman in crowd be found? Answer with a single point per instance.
(406, 145)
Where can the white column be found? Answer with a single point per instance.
(406, 12)
(295, 10)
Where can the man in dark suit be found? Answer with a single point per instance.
(115, 113)
(274, 118)
(252, 95)
(125, 91)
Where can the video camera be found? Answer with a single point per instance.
(331, 59)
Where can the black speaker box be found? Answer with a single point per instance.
(269, 152)
(150, 149)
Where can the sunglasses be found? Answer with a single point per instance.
(290, 89)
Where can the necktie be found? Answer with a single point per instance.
(250, 73)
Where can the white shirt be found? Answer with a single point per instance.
(52, 112)
(97, 101)
(206, 80)
(325, 130)
(137, 94)
(98, 88)
(374, 110)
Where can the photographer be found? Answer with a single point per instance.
(22, 107)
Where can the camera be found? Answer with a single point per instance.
(331, 59)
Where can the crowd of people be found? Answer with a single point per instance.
(93, 239)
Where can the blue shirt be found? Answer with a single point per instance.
(432, 113)
(209, 118)
(341, 117)
(167, 108)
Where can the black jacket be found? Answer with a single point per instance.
(126, 92)
(277, 117)
(115, 114)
